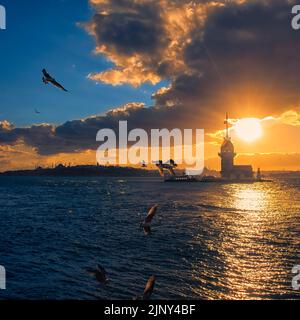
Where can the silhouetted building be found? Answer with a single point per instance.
(228, 169)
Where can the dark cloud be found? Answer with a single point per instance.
(250, 43)
(138, 28)
(37, 136)
(242, 54)
(240, 57)
(243, 61)
(80, 135)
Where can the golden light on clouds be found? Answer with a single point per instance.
(214, 56)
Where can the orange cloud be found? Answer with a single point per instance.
(218, 56)
(144, 39)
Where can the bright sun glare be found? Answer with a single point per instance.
(248, 129)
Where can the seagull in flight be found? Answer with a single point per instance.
(48, 79)
(99, 273)
(148, 289)
(146, 224)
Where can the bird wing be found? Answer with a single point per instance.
(161, 172)
(172, 171)
(151, 214)
(147, 230)
(149, 288)
(58, 85)
(102, 269)
(46, 74)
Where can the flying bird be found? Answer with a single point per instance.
(148, 289)
(99, 273)
(48, 79)
(146, 224)
(37, 111)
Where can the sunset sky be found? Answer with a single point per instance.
(156, 63)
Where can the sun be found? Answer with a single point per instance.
(248, 129)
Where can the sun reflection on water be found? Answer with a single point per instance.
(245, 250)
(251, 199)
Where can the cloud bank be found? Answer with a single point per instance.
(236, 56)
(217, 55)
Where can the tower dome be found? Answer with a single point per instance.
(227, 146)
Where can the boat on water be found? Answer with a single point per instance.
(184, 178)
(211, 179)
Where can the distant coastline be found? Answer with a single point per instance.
(84, 170)
(116, 171)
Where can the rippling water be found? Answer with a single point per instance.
(210, 241)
